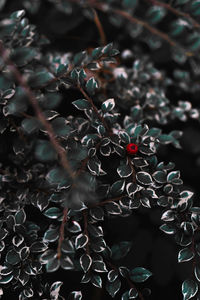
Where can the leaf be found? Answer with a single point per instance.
(53, 212)
(113, 208)
(61, 127)
(130, 3)
(140, 274)
(189, 289)
(30, 125)
(117, 187)
(67, 246)
(81, 241)
(160, 176)
(168, 215)
(97, 213)
(40, 79)
(85, 262)
(20, 216)
(108, 105)
(113, 287)
(91, 86)
(44, 151)
(155, 14)
(12, 257)
(54, 290)
(144, 178)
(66, 263)
(51, 235)
(99, 266)
(82, 104)
(6, 279)
(120, 250)
(38, 247)
(185, 254)
(23, 55)
(75, 295)
(96, 281)
(168, 228)
(131, 189)
(94, 165)
(52, 265)
(112, 275)
(124, 171)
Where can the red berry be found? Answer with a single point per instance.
(132, 149)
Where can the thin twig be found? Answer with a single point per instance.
(33, 101)
(100, 28)
(175, 11)
(62, 232)
(95, 110)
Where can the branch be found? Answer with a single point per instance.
(33, 101)
(62, 232)
(100, 28)
(175, 11)
(95, 110)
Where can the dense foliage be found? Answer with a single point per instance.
(80, 138)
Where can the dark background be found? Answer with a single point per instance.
(151, 248)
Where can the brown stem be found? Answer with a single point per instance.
(33, 101)
(100, 28)
(107, 9)
(175, 11)
(85, 219)
(95, 109)
(62, 232)
(133, 170)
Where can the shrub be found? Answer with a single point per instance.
(81, 139)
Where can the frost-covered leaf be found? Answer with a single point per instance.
(140, 274)
(185, 254)
(189, 289)
(85, 262)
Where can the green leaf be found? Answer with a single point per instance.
(85, 262)
(81, 240)
(6, 279)
(140, 274)
(58, 176)
(112, 275)
(117, 187)
(38, 247)
(54, 290)
(99, 266)
(94, 165)
(30, 125)
(189, 289)
(96, 281)
(53, 213)
(113, 208)
(23, 55)
(75, 295)
(160, 176)
(20, 216)
(60, 127)
(108, 105)
(131, 189)
(185, 254)
(155, 14)
(44, 151)
(144, 178)
(17, 14)
(82, 104)
(91, 86)
(113, 287)
(121, 249)
(12, 257)
(51, 235)
(124, 171)
(40, 79)
(52, 265)
(168, 228)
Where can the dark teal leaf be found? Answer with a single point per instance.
(75, 295)
(6, 279)
(124, 171)
(61, 127)
(113, 287)
(140, 274)
(81, 241)
(82, 104)
(51, 235)
(40, 79)
(91, 86)
(99, 266)
(85, 262)
(44, 151)
(144, 178)
(108, 105)
(96, 281)
(52, 265)
(30, 125)
(121, 249)
(23, 55)
(117, 187)
(185, 254)
(189, 289)
(12, 257)
(53, 212)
